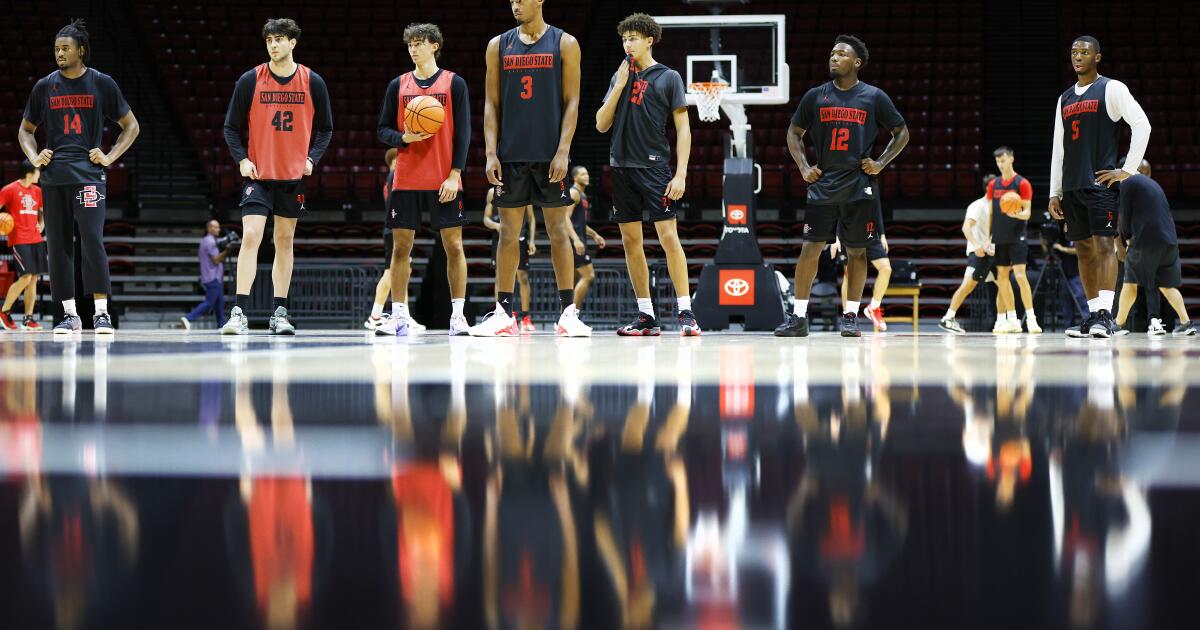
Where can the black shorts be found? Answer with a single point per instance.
(267, 197)
(875, 250)
(31, 259)
(856, 217)
(1091, 212)
(388, 245)
(1154, 267)
(583, 260)
(638, 190)
(981, 266)
(522, 245)
(406, 207)
(528, 183)
(1012, 254)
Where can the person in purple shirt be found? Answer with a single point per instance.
(212, 278)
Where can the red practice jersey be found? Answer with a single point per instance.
(425, 165)
(281, 120)
(23, 204)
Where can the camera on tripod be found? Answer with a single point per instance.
(230, 239)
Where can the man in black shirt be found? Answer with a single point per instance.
(844, 115)
(72, 103)
(1147, 236)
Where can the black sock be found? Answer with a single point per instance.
(276, 302)
(242, 301)
(566, 297)
(506, 300)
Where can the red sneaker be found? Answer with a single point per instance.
(527, 324)
(7, 322)
(876, 317)
(30, 324)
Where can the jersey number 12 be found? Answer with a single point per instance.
(840, 140)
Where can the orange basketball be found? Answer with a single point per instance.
(424, 114)
(6, 223)
(1010, 203)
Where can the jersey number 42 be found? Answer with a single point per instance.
(282, 121)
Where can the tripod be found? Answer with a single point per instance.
(1052, 279)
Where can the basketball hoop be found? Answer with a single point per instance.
(708, 98)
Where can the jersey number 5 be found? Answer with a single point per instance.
(1075, 129)
(282, 121)
(527, 83)
(72, 125)
(840, 140)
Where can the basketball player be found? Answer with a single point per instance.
(1083, 167)
(976, 228)
(637, 112)
(527, 248)
(23, 200)
(73, 102)
(844, 114)
(877, 255)
(529, 116)
(1151, 248)
(1012, 250)
(428, 174)
(384, 286)
(284, 106)
(580, 229)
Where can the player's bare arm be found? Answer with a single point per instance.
(488, 221)
(795, 142)
(129, 132)
(531, 219)
(28, 144)
(491, 111)
(683, 151)
(899, 140)
(608, 111)
(569, 50)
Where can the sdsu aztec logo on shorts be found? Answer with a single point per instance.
(249, 190)
(89, 197)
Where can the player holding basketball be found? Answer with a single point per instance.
(580, 230)
(1008, 234)
(428, 174)
(1083, 167)
(285, 108)
(637, 112)
(844, 115)
(529, 115)
(23, 200)
(527, 248)
(73, 102)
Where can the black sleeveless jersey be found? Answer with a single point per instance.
(1005, 229)
(531, 97)
(73, 111)
(579, 216)
(1089, 136)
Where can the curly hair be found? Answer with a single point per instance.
(857, 45)
(281, 26)
(77, 31)
(427, 32)
(642, 24)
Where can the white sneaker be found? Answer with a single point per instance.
(496, 324)
(393, 327)
(185, 323)
(415, 327)
(1156, 328)
(236, 324)
(1001, 327)
(375, 322)
(1031, 324)
(569, 324)
(458, 326)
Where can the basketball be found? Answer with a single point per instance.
(1010, 203)
(424, 114)
(6, 223)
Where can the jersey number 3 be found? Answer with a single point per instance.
(840, 140)
(1075, 129)
(72, 125)
(282, 121)
(527, 84)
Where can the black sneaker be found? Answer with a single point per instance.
(643, 326)
(849, 325)
(1184, 329)
(950, 325)
(1082, 331)
(69, 324)
(102, 324)
(792, 326)
(688, 327)
(1103, 326)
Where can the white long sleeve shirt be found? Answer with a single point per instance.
(1121, 106)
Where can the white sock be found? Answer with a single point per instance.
(456, 305)
(685, 303)
(800, 308)
(101, 306)
(69, 308)
(1106, 300)
(950, 313)
(875, 303)
(1094, 305)
(400, 309)
(1011, 315)
(851, 307)
(1029, 314)
(376, 310)
(646, 305)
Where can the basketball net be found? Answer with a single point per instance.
(708, 98)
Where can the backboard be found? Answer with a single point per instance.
(746, 51)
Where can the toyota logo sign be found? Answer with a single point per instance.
(737, 287)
